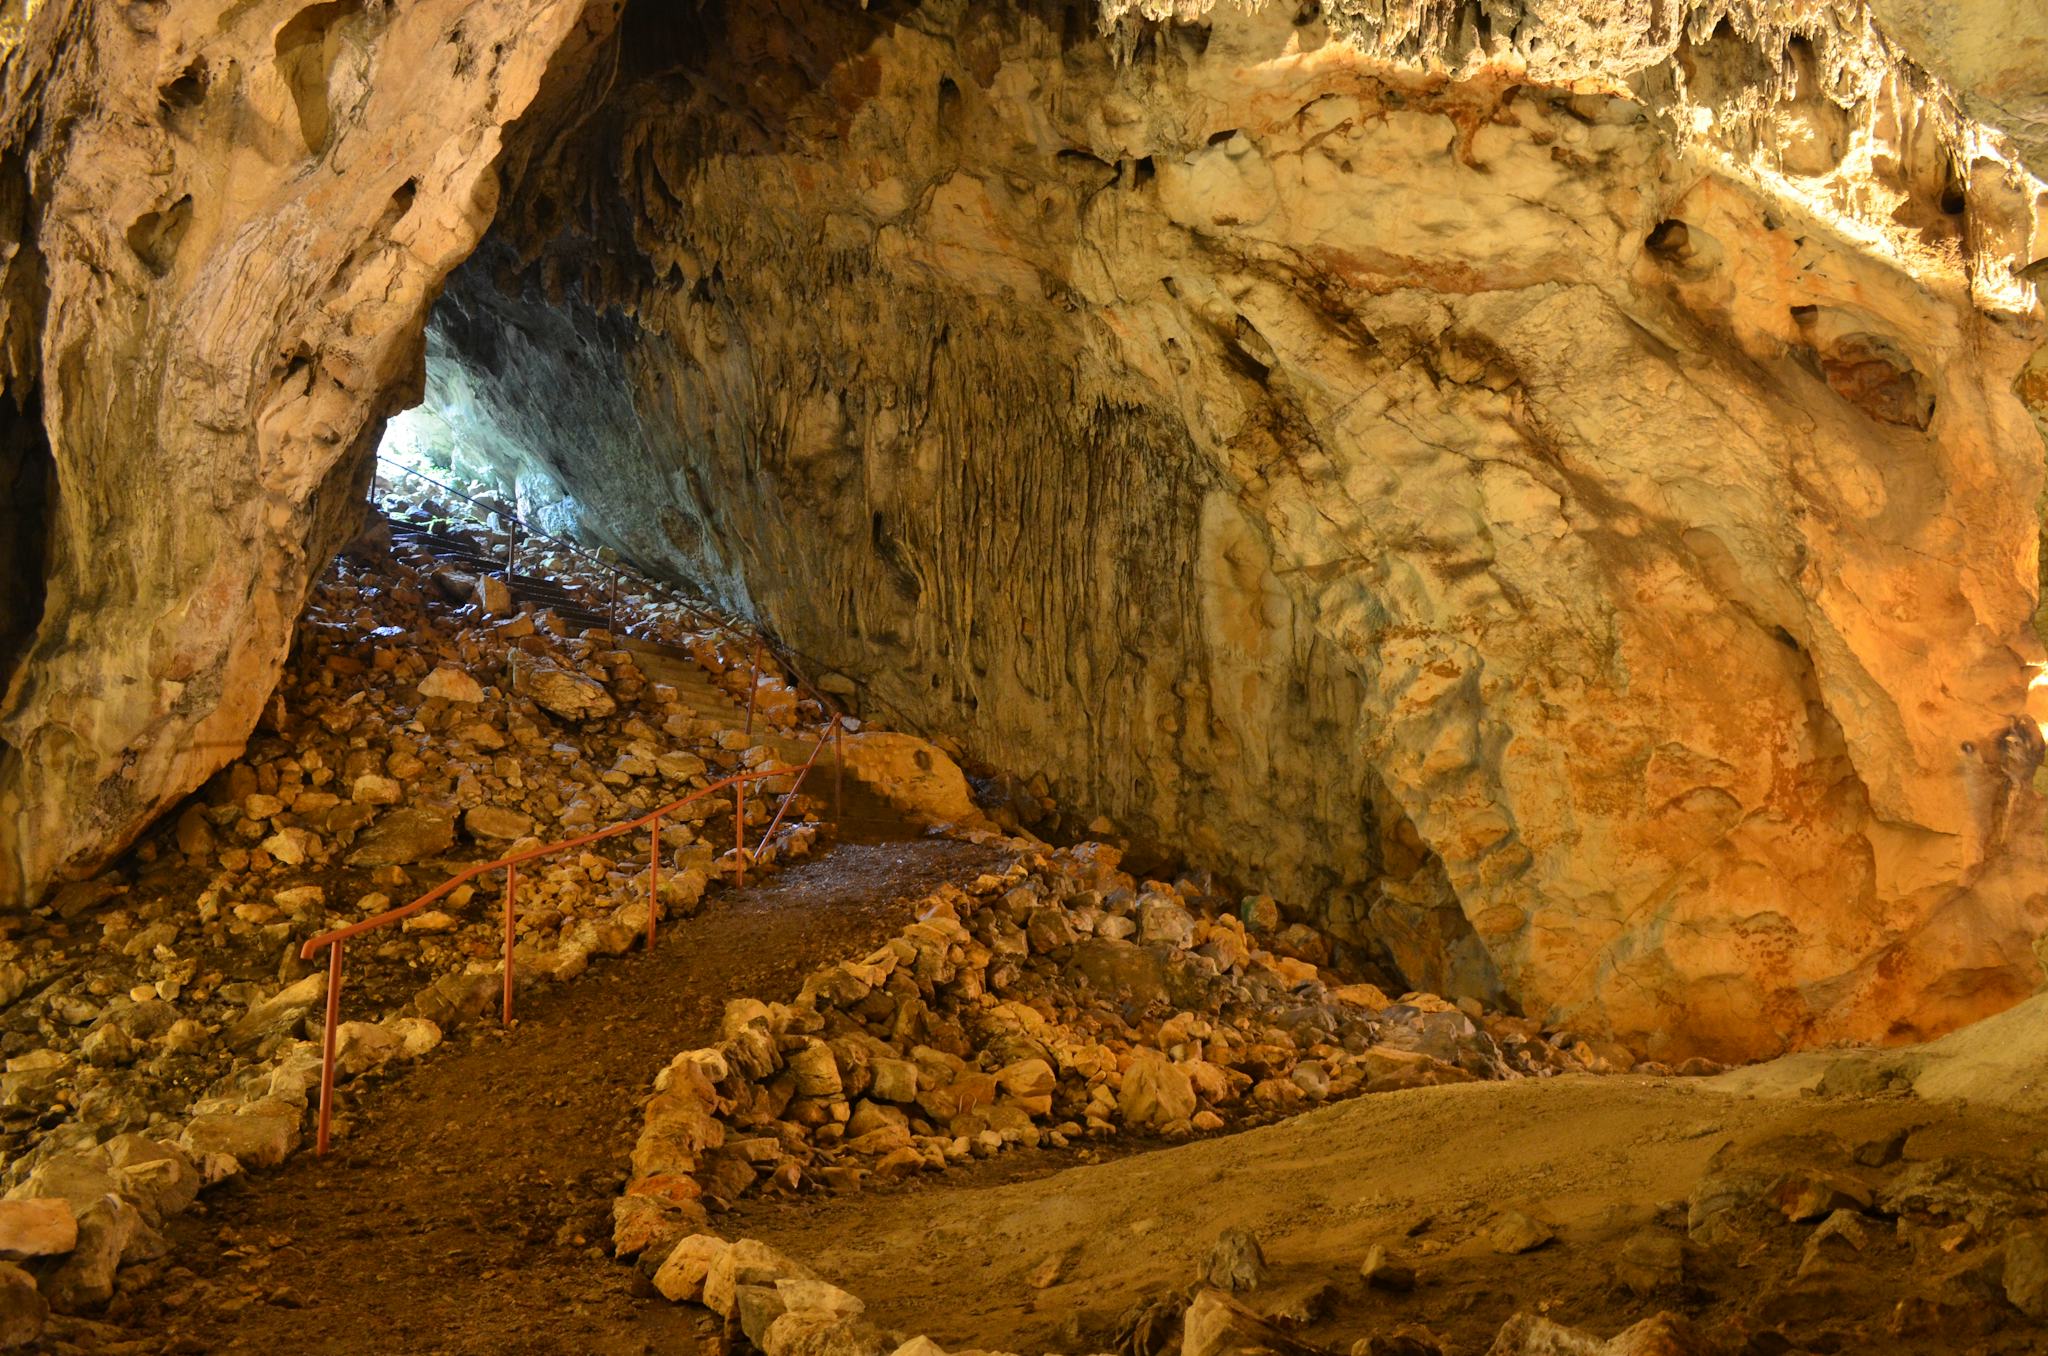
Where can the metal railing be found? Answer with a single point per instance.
(518, 525)
(335, 939)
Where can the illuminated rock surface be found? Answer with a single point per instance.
(1549, 501)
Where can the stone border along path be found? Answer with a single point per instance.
(81, 1215)
(83, 1201)
(464, 1213)
(1013, 1012)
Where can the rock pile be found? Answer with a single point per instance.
(1954, 1239)
(1057, 1001)
(641, 608)
(783, 1308)
(155, 1021)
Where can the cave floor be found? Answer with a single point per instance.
(464, 1210)
(468, 1205)
(1059, 1261)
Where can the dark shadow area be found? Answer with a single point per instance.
(28, 485)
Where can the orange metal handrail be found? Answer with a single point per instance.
(335, 939)
(831, 731)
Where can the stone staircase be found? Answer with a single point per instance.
(862, 815)
(572, 603)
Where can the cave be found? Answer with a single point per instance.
(1026, 602)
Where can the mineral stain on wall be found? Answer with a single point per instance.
(1525, 538)
(1545, 497)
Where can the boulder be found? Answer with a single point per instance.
(1129, 974)
(912, 774)
(821, 1333)
(1383, 1271)
(38, 1227)
(682, 1273)
(1651, 1261)
(403, 836)
(158, 1177)
(747, 1262)
(81, 1181)
(1166, 920)
(260, 1135)
(2025, 1278)
(1217, 1325)
(1515, 1231)
(677, 766)
(279, 1013)
(1662, 1334)
(23, 1310)
(569, 695)
(1236, 1262)
(451, 684)
(895, 1080)
(107, 1232)
(1156, 1092)
(372, 789)
(496, 823)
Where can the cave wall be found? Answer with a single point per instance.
(220, 232)
(1994, 53)
(1540, 488)
(1588, 560)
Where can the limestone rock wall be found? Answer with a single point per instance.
(1540, 487)
(1582, 558)
(220, 232)
(1995, 54)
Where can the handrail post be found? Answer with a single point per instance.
(511, 887)
(753, 685)
(333, 941)
(511, 549)
(653, 878)
(789, 796)
(612, 608)
(327, 1041)
(838, 774)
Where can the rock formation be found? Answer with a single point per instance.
(1546, 490)
(222, 238)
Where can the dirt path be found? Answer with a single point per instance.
(464, 1213)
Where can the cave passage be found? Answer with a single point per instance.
(907, 677)
(1307, 535)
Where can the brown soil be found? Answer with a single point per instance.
(465, 1211)
(1425, 1172)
